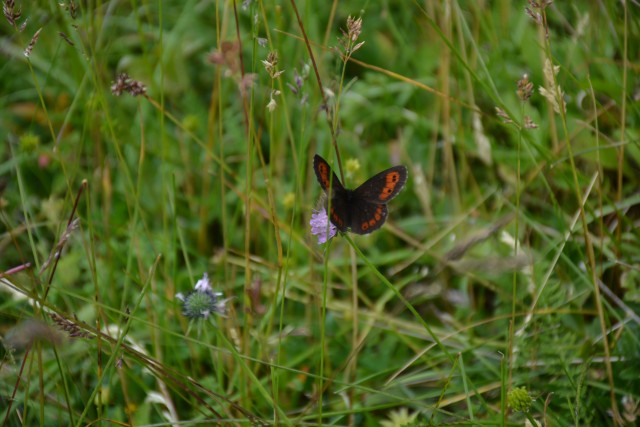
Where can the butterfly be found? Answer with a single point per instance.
(364, 209)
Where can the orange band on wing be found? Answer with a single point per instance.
(392, 179)
(377, 217)
(324, 170)
(337, 219)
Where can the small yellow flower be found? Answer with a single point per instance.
(29, 142)
(353, 166)
(289, 200)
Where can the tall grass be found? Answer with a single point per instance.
(503, 288)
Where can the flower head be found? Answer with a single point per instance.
(126, 84)
(204, 284)
(552, 90)
(525, 88)
(202, 301)
(319, 222)
(32, 43)
(353, 166)
(271, 65)
(272, 105)
(400, 417)
(11, 12)
(351, 35)
(519, 399)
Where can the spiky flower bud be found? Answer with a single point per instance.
(519, 399)
(202, 301)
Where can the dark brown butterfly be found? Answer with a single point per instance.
(364, 209)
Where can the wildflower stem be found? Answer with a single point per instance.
(320, 87)
(514, 283)
(348, 42)
(503, 387)
(336, 110)
(323, 321)
(60, 246)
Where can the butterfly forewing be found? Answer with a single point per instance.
(339, 212)
(324, 173)
(384, 186)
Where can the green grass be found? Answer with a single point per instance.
(511, 259)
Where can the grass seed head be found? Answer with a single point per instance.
(10, 11)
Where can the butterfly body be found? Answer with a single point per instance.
(364, 209)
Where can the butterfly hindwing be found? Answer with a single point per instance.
(367, 217)
(340, 209)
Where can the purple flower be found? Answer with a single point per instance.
(204, 284)
(319, 221)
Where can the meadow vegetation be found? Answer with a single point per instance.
(157, 265)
